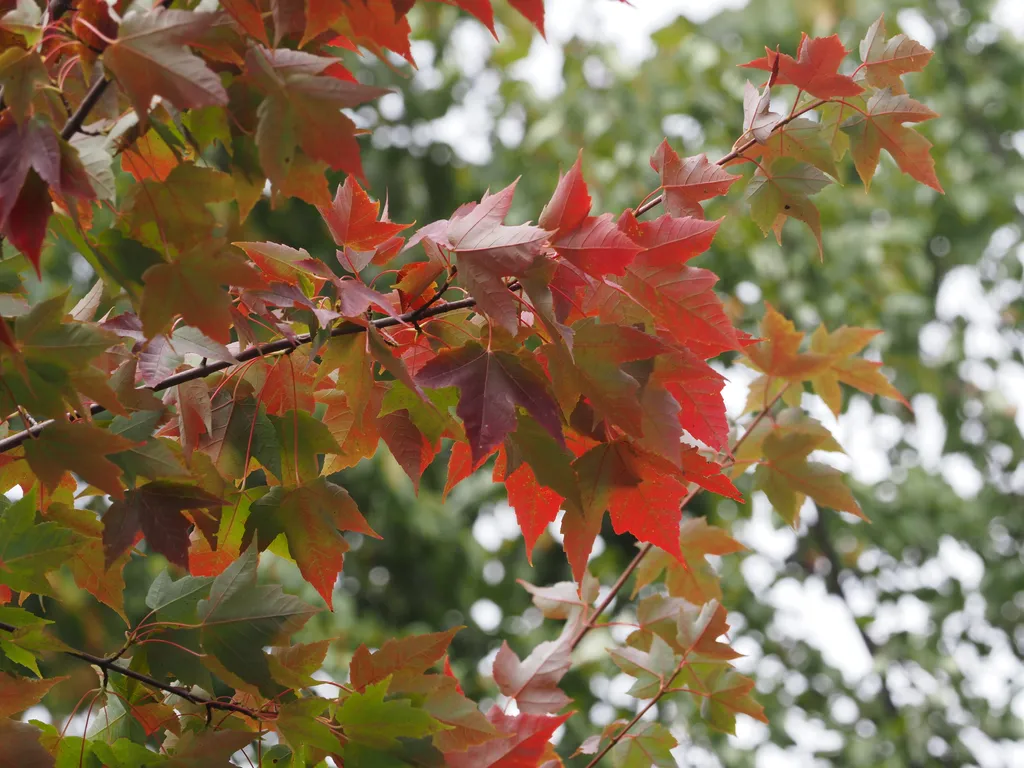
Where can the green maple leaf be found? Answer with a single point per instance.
(693, 579)
(297, 723)
(787, 477)
(649, 746)
(150, 457)
(240, 617)
(311, 518)
(652, 668)
(150, 57)
(800, 139)
(728, 693)
(780, 190)
(28, 639)
(176, 210)
(302, 437)
(367, 719)
(30, 550)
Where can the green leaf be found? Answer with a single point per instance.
(239, 618)
(30, 550)
(302, 437)
(77, 447)
(368, 719)
(651, 668)
(647, 746)
(311, 517)
(297, 723)
(780, 190)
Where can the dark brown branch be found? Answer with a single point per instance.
(107, 665)
(77, 120)
(263, 350)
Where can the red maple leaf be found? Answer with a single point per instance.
(687, 182)
(524, 745)
(352, 221)
(815, 69)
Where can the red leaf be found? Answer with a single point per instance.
(598, 247)
(687, 182)
(815, 70)
(352, 220)
(697, 387)
(491, 385)
(535, 505)
(460, 466)
(670, 240)
(155, 510)
(570, 203)
(523, 746)
(355, 298)
(408, 445)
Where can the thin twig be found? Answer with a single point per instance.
(110, 664)
(271, 348)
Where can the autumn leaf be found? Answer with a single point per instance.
(815, 69)
(311, 518)
(491, 384)
(758, 120)
(840, 346)
(570, 204)
(533, 682)
(150, 57)
(401, 660)
(787, 476)
(19, 693)
(691, 578)
(597, 246)
(191, 286)
(686, 183)
(778, 354)
(81, 448)
(155, 510)
(881, 126)
(302, 108)
(367, 719)
(886, 61)
(522, 744)
(801, 139)
(352, 221)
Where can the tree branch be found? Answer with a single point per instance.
(109, 664)
(75, 122)
(274, 347)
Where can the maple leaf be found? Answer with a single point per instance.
(311, 518)
(19, 693)
(691, 578)
(352, 221)
(886, 61)
(280, 262)
(488, 251)
(303, 108)
(686, 183)
(35, 159)
(240, 618)
(533, 682)
(522, 745)
(22, 72)
(778, 354)
(697, 387)
(191, 286)
(30, 550)
(800, 139)
(815, 69)
(649, 744)
(682, 300)
(367, 719)
(491, 385)
(597, 246)
(368, 24)
(840, 346)
(881, 126)
(150, 57)
(80, 448)
(781, 190)
(155, 510)
(787, 476)
(535, 505)
(401, 660)
(653, 668)
(411, 448)
(570, 204)
(758, 120)
(726, 693)
(596, 370)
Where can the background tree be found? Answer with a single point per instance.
(890, 261)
